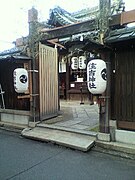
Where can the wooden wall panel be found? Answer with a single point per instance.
(125, 88)
(12, 99)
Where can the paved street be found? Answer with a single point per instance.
(31, 160)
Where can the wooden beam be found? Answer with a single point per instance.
(55, 43)
(126, 125)
(115, 20)
(69, 30)
(127, 17)
(23, 97)
(123, 18)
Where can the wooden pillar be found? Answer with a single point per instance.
(104, 105)
(67, 78)
(105, 11)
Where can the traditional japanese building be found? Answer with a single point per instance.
(78, 36)
(121, 39)
(65, 44)
(72, 33)
(15, 107)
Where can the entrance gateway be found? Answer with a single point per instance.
(48, 88)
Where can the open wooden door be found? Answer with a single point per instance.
(48, 81)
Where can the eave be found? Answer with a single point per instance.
(14, 54)
(119, 35)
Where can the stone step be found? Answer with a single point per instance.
(68, 129)
(68, 139)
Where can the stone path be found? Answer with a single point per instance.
(76, 116)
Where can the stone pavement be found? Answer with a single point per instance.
(74, 116)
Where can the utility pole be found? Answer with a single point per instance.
(33, 24)
(104, 13)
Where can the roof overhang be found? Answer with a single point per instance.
(14, 54)
(14, 57)
(124, 34)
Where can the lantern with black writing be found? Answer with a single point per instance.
(96, 76)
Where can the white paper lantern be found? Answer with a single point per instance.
(82, 62)
(96, 76)
(20, 80)
(74, 62)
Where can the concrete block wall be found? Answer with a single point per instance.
(125, 136)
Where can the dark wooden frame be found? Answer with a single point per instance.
(123, 85)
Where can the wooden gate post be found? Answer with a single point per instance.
(104, 103)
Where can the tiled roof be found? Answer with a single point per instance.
(59, 15)
(16, 53)
(10, 51)
(62, 17)
(85, 14)
(120, 35)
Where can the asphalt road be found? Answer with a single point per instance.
(24, 159)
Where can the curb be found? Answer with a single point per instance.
(112, 148)
(11, 127)
(116, 149)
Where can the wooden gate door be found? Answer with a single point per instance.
(48, 81)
